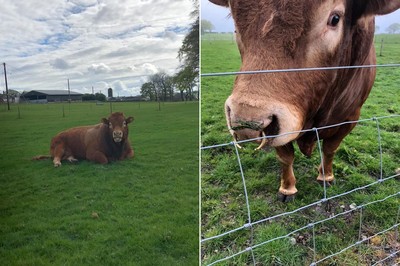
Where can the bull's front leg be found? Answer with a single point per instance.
(329, 148)
(96, 156)
(127, 152)
(325, 169)
(288, 189)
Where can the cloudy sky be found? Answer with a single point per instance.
(223, 23)
(99, 43)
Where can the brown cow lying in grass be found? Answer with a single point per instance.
(101, 143)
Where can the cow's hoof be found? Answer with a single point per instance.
(57, 164)
(71, 159)
(328, 183)
(285, 198)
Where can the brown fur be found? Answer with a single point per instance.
(94, 143)
(278, 34)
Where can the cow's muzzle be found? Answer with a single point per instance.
(266, 121)
(117, 136)
(256, 131)
(252, 123)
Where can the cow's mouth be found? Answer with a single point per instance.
(117, 140)
(264, 141)
(264, 136)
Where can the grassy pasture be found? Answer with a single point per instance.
(142, 211)
(356, 164)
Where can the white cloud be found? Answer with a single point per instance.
(170, 35)
(99, 68)
(91, 42)
(120, 88)
(149, 69)
(59, 63)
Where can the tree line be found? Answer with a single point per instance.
(161, 87)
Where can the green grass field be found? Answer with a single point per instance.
(142, 211)
(356, 164)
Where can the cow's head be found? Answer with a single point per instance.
(282, 34)
(118, 126)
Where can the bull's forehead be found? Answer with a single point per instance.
(249, 11)
(274, 12)
(288, 27)
(277, 18)
(116, 118)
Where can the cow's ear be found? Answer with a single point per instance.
(220, 2)
(129, 120)
(380, 7)
(104, 121)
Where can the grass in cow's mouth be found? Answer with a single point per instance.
(248, 124)
(356, 164)
(141, 211)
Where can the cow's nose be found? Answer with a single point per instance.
(240, 115)
(118, 134)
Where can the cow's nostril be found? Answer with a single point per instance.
(271, 128)
(117, 133)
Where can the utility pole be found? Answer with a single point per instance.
(69, 92)
(5, 78)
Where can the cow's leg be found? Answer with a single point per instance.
(329, 148)
(57, 161)
(96, 156)
(57, 152)
(127, 153)
(288, 189)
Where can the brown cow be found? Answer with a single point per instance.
(281, 34)
(101, 143)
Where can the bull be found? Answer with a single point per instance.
(101, 143)
(284, 34)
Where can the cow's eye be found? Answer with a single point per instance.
(334, 20)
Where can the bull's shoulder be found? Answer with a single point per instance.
(95, 134)
(96, 129)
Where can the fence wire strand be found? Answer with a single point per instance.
(250, 224)
(247, 202)
(293, 70)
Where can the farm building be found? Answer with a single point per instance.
(45, 96)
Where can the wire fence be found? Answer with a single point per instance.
(249, 227)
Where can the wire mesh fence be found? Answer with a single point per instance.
(241, 225)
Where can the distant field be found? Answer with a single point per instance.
(147, 207)
(356, 164)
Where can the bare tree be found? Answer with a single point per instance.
(394, 28)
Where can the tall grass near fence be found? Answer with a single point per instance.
(347, 225)
(142, 211)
